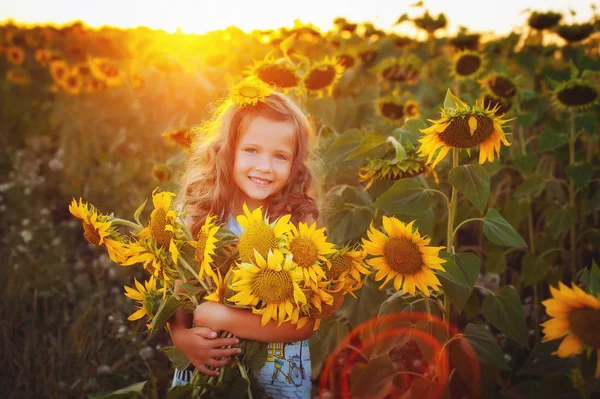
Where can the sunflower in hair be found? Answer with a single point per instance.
(499, 85)
(463, 127)
(467, 64)
(575, 315)
(575, 95)
(249, 92)
(399, 70)
(321, 76)
(280, 72)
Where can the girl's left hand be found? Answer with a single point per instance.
(210, 314)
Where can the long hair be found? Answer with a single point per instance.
(207, 186)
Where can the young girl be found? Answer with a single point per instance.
(259, 155)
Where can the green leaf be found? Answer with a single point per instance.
(343, 146)
(474, 182)
(180, 392)
(406, 196)
(349, 224)
(580, 174)
(370, 142)
(459, 277)
(410, 131)
(254, 354)
(532, 186)
(525, 120)
(176, 357)
(533, 269)
(515, 211)
(367, 303)
(134, 390)
(551, 140)
(139, 211)
(485, 346)
(323, 341)
(191, 287)
(541, 360)
(167, 308)
(373, 380)
(322, 108)
(559, 220)
(495, 262)
(591, 277)
(526, 162)
(453, 102)
(505, 312)
(499, 231)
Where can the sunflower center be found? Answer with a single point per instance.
(578, 95)
(338, 266)
(502, 87)
(158, 222)
(202, 237)
(458, 133)
(584, 323)
(392, 110)
(91, 234)
(273, 286)
(320, 78)
(280, 77)
(412, 109)
(257, 236)
(403, 256)
(468, 64)
(305, 251)
(346, 60)
(249, 92)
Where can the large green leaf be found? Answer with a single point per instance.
(343, 146)
(254, 354)
(525, 162)
(372, 380)
(541, 360)
(371, 141)
(485, 346)
(176, 357)
(499, 231)
(580, 174)
(495, 262)
(559, 220)
(167, 308)
(323, 341)
(474, 182)
(349, 224)
(533, 269)
(505, 312)
(551, 140)
(410, 131)
(405, 196)
(532, 186)
(459, 277)
(132, 391)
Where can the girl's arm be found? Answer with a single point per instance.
(245, 324)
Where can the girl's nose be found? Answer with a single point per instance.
(264, 165)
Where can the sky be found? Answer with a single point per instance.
(200, 16)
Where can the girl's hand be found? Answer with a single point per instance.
(211, 314)
(202, 348)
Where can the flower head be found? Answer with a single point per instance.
(148, 298)
(205, 245)
(260, 235)
(309, 248)
(249, 92)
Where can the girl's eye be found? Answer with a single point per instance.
(251, 150)
(281, 157)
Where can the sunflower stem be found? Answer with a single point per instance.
(450, 230)
(465, 222)
(573, 249)
(245, 375)
(191, 270)
(427, 306)
(127, 223)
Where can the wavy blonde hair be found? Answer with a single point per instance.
(207, 186)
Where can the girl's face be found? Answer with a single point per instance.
(264, 155)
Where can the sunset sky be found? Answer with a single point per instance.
(200, 16)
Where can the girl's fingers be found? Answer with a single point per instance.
(206, 371)
(224, 342)
(204, 332)
(218, 363)
(225, 352)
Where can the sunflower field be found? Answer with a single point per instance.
(460, 191)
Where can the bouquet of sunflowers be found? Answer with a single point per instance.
(282, 271)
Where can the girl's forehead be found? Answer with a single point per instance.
(261, 130)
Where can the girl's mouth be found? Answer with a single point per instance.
(260, 182)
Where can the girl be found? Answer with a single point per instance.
(259, 155)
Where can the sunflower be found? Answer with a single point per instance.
(18, 76)
(399, 70)
(42, 56)
(411, 109)
(465, 41)
(576, 32)
(161, 173)
(106, 71)
(275, 72)
(576, 314)
(575, 95)
(309, 247)
(98, 230)
(402, 41)
(467, 64)
(163, 224)
(499, 85)
(270, 287)
(218, 294)
(71, 83)
(181, 137)
(403, 255)
(543, 20)
(317, 296)
(95, 85)
(249, 92)
(346, 59)
(148, 297)
(391, 167)
(368, 55)
(391, 108)
(349, 262)
(430, 24)
(153, 258)
(83, 69)
(15, 55)
(259, 235)
(464, 127)
(205, 246)
(58, 70)
(323, 75)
